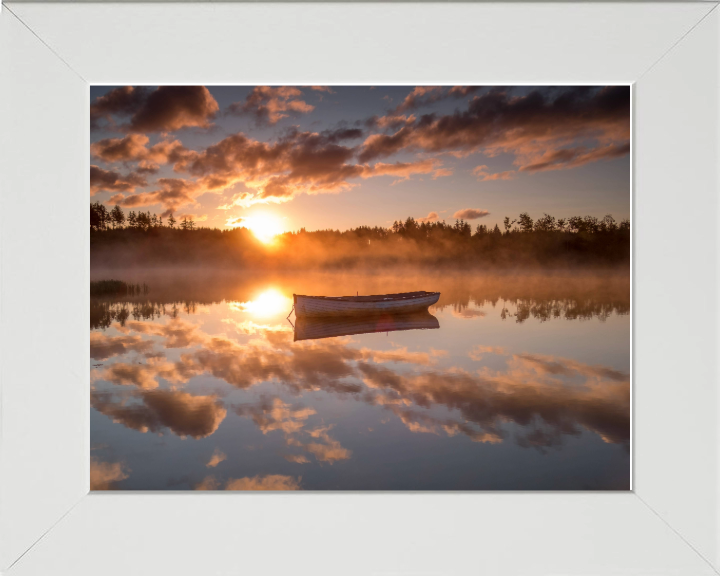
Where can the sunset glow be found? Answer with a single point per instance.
(479, 153)
(264, 226)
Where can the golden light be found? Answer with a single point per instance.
(268, 303)
(264, 226)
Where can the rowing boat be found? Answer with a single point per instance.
(363, 305)
(316, 327)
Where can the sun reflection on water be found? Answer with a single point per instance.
(268, 303)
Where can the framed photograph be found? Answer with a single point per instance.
(442, 284)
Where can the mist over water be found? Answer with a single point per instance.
(519, 381)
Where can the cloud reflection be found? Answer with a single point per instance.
(537, 400)
(269, 482)
(105, 475)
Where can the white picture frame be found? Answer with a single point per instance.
(49, 522)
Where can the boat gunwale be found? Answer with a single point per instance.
(374, 297)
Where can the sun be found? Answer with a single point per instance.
(264, 226)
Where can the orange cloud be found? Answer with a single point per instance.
(217, 457)
(104, 475)
(470, 214)
(482, 173)
(103, 347)
(431, 217)
(133, 148)
(270, 482)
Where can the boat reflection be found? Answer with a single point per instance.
(314, 328)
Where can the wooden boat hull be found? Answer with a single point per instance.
(316, 306)
(316, 327)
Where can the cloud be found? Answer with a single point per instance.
(108, 180)
(577, 156)
(180, 412)
(104, 475)
(426, 95)
(217, 457)
(133, 148)
(270, 105)
(470, 214)
(535, 399)
(421, 95)
(103, 347)
(532, 127)
(478, 353)
(390, 121)
(269, 482)
(441, 173)
(173, 194)
(164, 109)
(482, 173)
(275, 414)
(123, 101)
(300, 162)
(330, 451)
(402, 169)
(546, 397)
(323, 89)
(296, 458)
(431, 217)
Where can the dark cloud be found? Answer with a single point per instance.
(122, 101)
(111, 181)
(541, 123)
(173, 107)
(164, 109)
(180, 412)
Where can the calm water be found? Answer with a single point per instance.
(521, 382)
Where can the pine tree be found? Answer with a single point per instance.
(117, 216)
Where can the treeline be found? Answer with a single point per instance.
(116, 288)
(587, 240)
(103, 219)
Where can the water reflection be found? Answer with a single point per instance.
(500, 393)
(315, 328)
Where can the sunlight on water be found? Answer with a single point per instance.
(269, 303)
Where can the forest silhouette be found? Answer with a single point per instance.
(143, 239)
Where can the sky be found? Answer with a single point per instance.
(319, 157)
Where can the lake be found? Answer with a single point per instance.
(517, 381)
